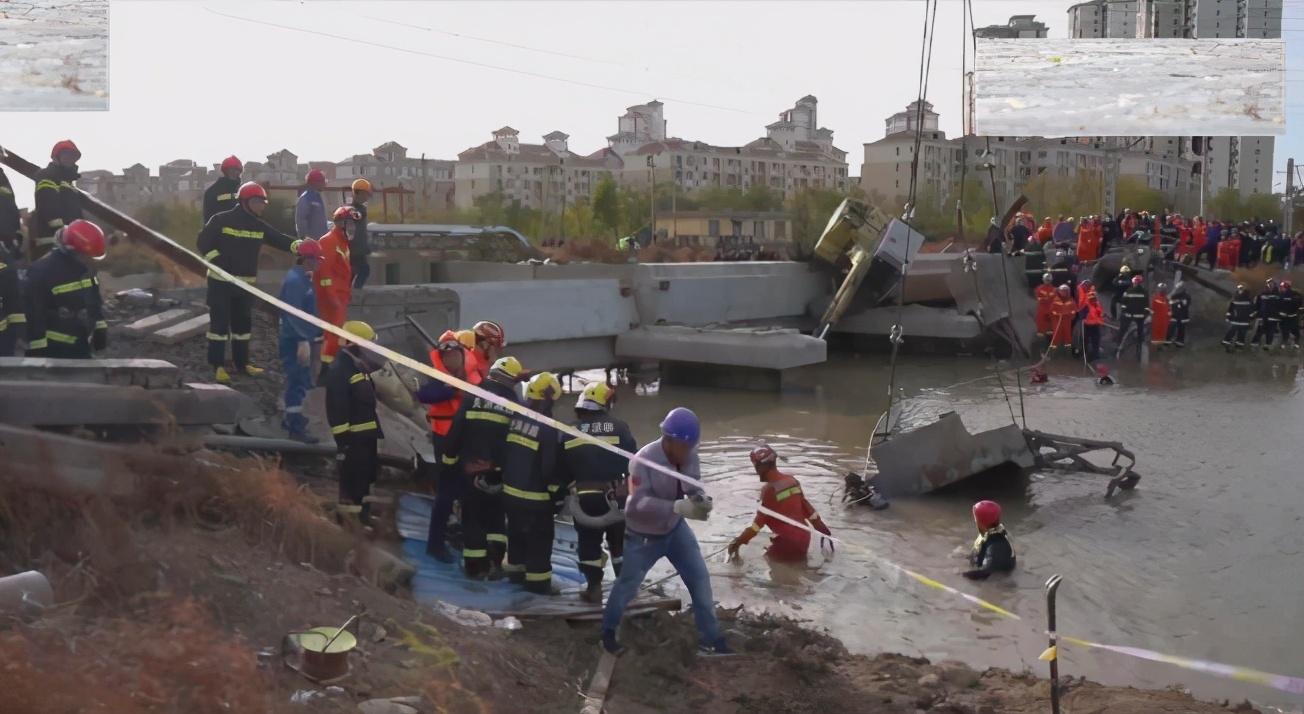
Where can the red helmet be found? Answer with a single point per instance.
(309, 249)
(1063, 289)
(490, 332)
(763, 455)
(251, 189)
(231, 162)
(346, 213)
(1285, 284)
(65, 145)
(986, 514)
(84, 238)
(1137, 280)
(315, 178)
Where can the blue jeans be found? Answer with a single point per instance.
(298, 379)
(680, 547)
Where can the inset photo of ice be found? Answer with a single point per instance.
(54, 55)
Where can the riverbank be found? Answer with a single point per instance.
(177, 599)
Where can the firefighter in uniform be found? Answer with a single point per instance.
(781, 494)
(351, 413)
(532, 476)
(474, 448)
(1136, 308)
(12, 317)
(1239, 312)
(451, 355)
(598, 484)
(65, 316)
(11, 223)
(1045, 296)
(1034, 263)
(1120, 284)
(232, 241)
(1180, 303)
(221, 196)
(490, 339)
(57, 202)
(1267, 309)
(992, 551)
(1289, 307)
(335, 278)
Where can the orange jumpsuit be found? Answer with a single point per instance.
(1045, 232)
(1045, 295)
(1229, 254)
(334, 283)
(782, 494)
(1159, 317)
(1088, 242)
(1061, 311)
(1185, 240)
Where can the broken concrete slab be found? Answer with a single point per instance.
(45, 460)
(762, 348)
(86, 404)
(158, 321)
(982, 291)
(934, 455)
(181, 331)
(148, 373)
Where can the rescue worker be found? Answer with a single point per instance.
(1064, 232)
(57, 201)
(1034, 263)
(655, 529)
(335, 278)
(1019, 235)
(1136, 308)
(351, 413)
(297, 337)
(1229, 252)
(232, 240)
(1239, 312)
(1092, 323)
(1089, 240)
(361, 247)
(1045, 295)
(13, 319)
(1160, 317)
(221, 196)
(11, 223)
(1180, 302)
(992, 551)
(474, 447)
(490, 339)
(65, 315)
(1288, 308)
(1062, 309)
(532, 477)
(1121, 283)
(782, 494)
(1059, 269)
(1045, 232)
(1267, 310)
(310, 209)
(1128, 223)
(453, 356)
(597, 484)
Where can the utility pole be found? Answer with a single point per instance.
(652, 196)
(1288, 219)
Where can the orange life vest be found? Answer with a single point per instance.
(441, 414)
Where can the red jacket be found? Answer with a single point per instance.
(782, 494)
(335, 276)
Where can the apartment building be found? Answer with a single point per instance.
(547, 176)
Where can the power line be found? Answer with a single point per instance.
(492, 41)
(483, 65)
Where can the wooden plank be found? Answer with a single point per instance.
(1119, 87)
(596, 697)
(181, 331)
(158, 321)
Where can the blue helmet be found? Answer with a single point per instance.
(681, 424)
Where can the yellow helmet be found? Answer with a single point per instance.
(467, 338)
(361, 185)
(358, 328)
(508, 367)
(543, 386)
(596, 397)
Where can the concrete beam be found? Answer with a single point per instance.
(181, 331)
(938, 454)
(44, 460)
(760, 348)
(80, 403)
(148, 373)
(158, 321)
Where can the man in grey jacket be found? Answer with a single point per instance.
(310, 211)
(655, 529)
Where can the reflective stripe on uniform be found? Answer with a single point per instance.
(60, 337)
(5, 190)
(71, 287)
(38, 344)
(448, 460)
(227, 230)
(527, 442)
(475, 553)
(4, 324)
(496, 538)
(241, 337)
(226, 197)
(101, 325)
(211, 255)
(364, 426)
(572, 443)
(487, 416)
(538, 577)
(357, 378)
(217, 338)
(17, 318)
(756, 527)
(327, 359)
(527, 495)
(586, 492)
(339, 429)
(785, 493)
(325, 282)
(595, 563)
(348, 508)
(46, 183)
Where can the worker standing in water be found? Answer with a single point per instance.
(992, 551)
(781, 494)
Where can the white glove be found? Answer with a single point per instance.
(304, 353)
(693, 509)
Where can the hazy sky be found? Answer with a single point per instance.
(188, 82)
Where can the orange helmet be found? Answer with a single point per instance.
(763, 455)
(361, 185)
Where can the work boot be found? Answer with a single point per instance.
(253, 371)
(719, 649)
(593, 593)
(221, 376)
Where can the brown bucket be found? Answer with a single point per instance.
(323, 652)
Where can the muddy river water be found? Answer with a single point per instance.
(1202, 560)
